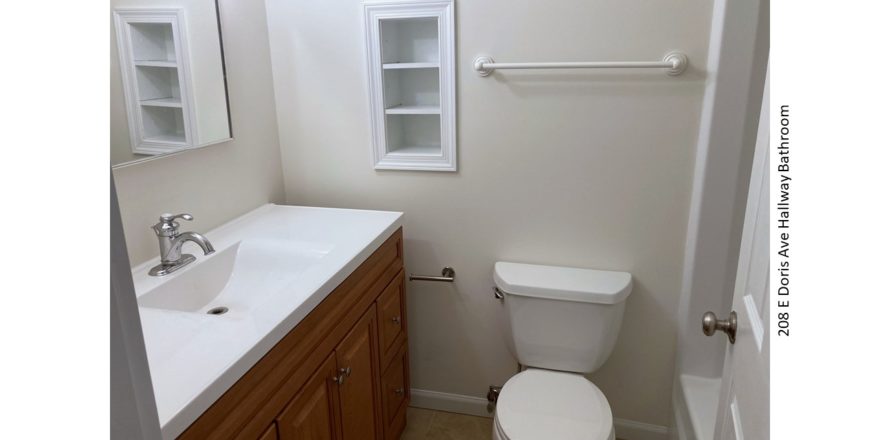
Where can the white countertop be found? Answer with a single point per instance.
(194, 357)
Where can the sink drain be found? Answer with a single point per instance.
(218, 310)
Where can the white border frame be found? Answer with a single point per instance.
(443, 10)
(123, 17)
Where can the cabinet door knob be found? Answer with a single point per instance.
(399, 391)
(396, 320)
(343, 373)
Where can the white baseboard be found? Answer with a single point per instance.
(456, 403)
(476, 406)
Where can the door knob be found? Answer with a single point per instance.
(712, 323)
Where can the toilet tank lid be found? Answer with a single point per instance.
(563, 283)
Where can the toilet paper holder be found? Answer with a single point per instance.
(447, 276)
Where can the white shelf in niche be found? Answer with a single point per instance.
(416, 150)
(411, 69)
(155, 63)
(413, 110)
(412, 135)
(392, 66)
(163, 102)
(178, 139)
(164, 124)
(152, 40)
(410, 39)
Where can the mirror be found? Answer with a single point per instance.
(167, 79)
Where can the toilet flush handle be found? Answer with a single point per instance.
(712, 323)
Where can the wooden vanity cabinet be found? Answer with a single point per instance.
(358, 374)
(271, 433)
(391, 306)
(341, 373)
(395, 393)
(314, 412)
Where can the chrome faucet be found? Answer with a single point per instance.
(170, 242)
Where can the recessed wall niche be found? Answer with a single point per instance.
(411, 70)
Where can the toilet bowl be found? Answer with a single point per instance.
(563, 323)
(544, 404)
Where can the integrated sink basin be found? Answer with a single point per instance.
(236, 278)
(208, 323)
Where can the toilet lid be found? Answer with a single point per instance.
(542, 404)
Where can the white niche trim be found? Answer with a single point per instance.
(154, 61)
(411, 75)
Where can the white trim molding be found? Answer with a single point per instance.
(477, 406)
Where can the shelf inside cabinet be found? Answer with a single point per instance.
(417, 150)
(153, 42)
(413, 134)
(412, 88)
(169, 138)
(163, 124)
(413, 110)
(392, 66)
(163, 102)
(156, 63)
(157, 83)
(410, 40)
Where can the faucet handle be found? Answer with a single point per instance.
(168, 218)
(167, 227)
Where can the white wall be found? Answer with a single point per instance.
(589, 169)
(219, 182)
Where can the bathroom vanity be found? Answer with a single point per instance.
(294, 328)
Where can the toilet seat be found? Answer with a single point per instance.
(542, 404)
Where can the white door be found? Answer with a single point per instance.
(744, 404)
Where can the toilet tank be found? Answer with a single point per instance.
(562, 318)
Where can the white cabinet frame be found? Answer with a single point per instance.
(141, 142)
(441, 157)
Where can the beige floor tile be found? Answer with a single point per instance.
(426, 424)
(418, 421)
(449, 426)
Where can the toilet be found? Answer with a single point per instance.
(562, 323)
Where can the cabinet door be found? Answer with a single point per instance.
(271, 433)
(395, 394)
(314, 413)
(392, 319)
(358, 361)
